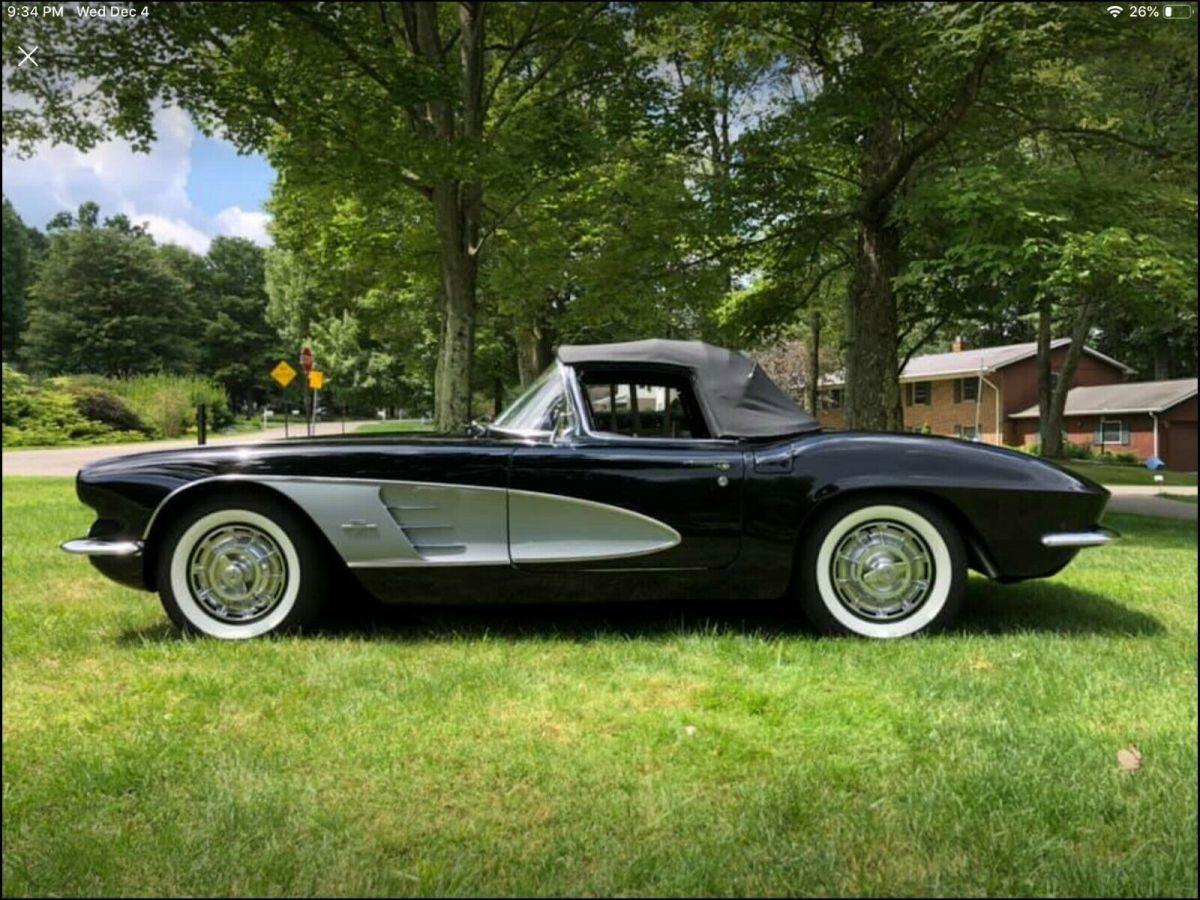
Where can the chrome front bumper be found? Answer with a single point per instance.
(102, 547)
(1094, 537)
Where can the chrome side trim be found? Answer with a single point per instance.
(102, 547)
(1097, 537)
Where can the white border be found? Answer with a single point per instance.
(181, 588)
(939, 592)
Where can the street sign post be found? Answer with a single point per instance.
(316, 380)
(306, 363)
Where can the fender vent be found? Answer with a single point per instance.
(428, 536)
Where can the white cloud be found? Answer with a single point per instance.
(237, 222)
(173, 231)
(149, 188)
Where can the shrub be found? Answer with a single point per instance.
(88, 409)
(1123, 458)
(1076, 451)
(107, 408)
(40, 415)
(168, 402)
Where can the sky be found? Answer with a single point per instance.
(188, 189)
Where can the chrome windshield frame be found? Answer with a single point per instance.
(543, 436)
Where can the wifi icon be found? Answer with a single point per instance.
(1114, 11)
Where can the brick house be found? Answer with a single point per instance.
(973, 393)
(1149, 418)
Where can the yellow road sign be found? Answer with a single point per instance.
(283, 373)
(316, 379)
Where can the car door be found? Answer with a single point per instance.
(639, 486)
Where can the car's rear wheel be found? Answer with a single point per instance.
(241, 568)
(881, 567)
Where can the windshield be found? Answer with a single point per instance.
(536, 409)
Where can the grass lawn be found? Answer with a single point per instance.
(1115, 473)
(403, 426)
(640, 749)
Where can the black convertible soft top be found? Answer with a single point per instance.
(741, 399)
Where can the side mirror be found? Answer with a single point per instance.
(477, 428)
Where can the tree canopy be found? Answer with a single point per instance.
(463, 185)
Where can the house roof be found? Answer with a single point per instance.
(1131, 397)
(983, 360)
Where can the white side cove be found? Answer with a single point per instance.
(549, 528)
(411, 523)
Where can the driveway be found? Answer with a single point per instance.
(66, 461)
(1144, 501)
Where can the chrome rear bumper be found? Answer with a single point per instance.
(102, 547)
(1094, 537)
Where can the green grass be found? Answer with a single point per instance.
(1116, 473)
(403, 426)
(548, 751)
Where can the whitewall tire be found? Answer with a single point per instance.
(881, 567)
(240, 568)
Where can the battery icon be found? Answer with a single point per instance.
(1178, 12)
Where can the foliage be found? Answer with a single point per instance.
(237, 346)
(42, 415)
(106, 302)
(102, 406)
(95, 409)
(169, 401)
(461, 186)
(17, 275)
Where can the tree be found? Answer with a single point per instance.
(237, 347)
(17, 275)
(106, 302)
(419, 95)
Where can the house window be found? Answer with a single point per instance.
(919, 393)
(1111, 431)
(967, 432)
(966, 390)
(831, 398)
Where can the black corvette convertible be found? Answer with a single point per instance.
(650, 469)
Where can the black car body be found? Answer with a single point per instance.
(613, 496)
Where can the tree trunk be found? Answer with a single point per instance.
(872, 385)
(1043, 373)
(534, 350)
(814, 365)
(1052, 424)
(457, 210)
(452, 379)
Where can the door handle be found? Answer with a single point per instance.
(708, 463)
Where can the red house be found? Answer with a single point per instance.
(1149, 418)
(990, 394)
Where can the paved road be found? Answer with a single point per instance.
(1143, 502)
(66, 461)
(1149, 490)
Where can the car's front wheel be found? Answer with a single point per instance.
(240, 568)
(881, 567)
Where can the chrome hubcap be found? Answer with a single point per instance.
(882, 571)
(237, 573)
